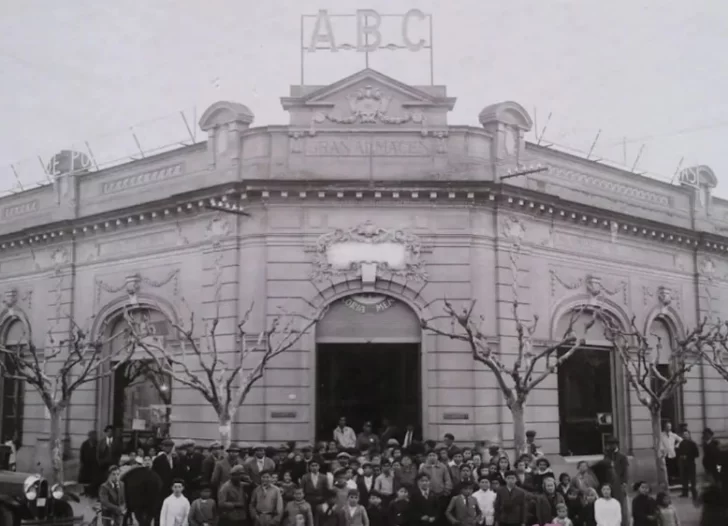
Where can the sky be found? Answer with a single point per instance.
(649, 76)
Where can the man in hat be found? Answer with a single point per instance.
(231, 499)
(258, 464)
(165, 466)
(224, 467)
(208, 464)
(616, 474)
(367, 439)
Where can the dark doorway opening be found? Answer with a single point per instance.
(586, 407)
(367, 382)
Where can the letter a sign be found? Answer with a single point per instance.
(368, 32)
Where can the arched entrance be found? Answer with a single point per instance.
(368, 364)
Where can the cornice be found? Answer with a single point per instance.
(483, 194)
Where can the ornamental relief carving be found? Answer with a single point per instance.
(12, 298)
(368, 105)
(132, 285)
(593, 285)
(367, 248)
(662, 295)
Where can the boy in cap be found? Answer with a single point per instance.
(203, 511)
(223, 468)
(208, 464)
(231, 499)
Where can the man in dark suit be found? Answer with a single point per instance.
(108, 453)
(365, 482)
(425, 505)
(315, 484)
(510, 506)
(617, 474)
(111, 497)
(409, 437)
(165, 465)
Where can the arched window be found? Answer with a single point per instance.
(12, 404)
(139, 394)
(589, 383)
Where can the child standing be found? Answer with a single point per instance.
(665, 511)
(298, 506)
(607, 510)
(353, 514)
(375, 511)
(643, 507)
(287, 486)
(463, 509)
(562, 516)
(203, 511)
(400, 509)
(384, 483)
(176, 507)
(575, 505)
(486, 500)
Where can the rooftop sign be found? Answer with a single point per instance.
(369, 33)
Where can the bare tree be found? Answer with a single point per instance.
(57, 371)
(715, 351)
(653, 384)
(223, 379)
(530, 367)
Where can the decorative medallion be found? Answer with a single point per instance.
(368, 105)
(369, 303)
(347, 252)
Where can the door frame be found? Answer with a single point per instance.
(416, 346)
(427, 341)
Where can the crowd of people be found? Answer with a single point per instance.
(388, 478)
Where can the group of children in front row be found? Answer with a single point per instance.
(465, 508)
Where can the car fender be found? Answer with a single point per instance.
(6, 500)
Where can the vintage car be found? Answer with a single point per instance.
(30, 500)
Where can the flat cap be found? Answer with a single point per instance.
(237, 469)
(343, 454)
(216, 445)
(187, 443)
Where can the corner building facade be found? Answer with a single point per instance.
(371, 205)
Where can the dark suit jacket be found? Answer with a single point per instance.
(314, 494)
(423, 507)
(106, 455)
(510, 506)
(112, 499)
(364, 492)
(160, 465)
(251, 468)
(546, 507)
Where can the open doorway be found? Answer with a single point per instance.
(367, 382)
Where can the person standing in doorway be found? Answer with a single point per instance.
(668, 444)
(344, 436)
(687, 453)
(618, 469)
(367, 440)
(409, 437)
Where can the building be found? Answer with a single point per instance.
(371, 203)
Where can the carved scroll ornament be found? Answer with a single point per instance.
(592, 284)
(344, 251)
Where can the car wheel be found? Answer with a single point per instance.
(6, 516)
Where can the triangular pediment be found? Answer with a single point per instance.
(368, 97)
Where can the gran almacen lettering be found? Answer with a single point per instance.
(362, 147)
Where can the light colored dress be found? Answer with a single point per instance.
(608, 512)
(668, 516)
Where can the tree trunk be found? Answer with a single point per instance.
(519, 428)
(225, 431)
(55, 444)
(660, 465)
